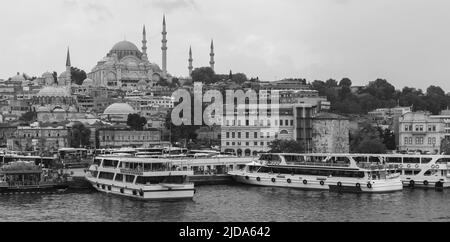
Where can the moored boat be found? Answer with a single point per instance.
(25, 177)
(140, 178)
(335, 172)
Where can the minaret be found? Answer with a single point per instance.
(68, 68)
(212, 62)
(164, 47)
(144, 45)
(190, 67)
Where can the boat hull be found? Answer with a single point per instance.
(313, 183)
(153, 192)
(51, 188)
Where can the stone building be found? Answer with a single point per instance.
(330, 133)
(421, 131)
(117, 138)
(39, 139)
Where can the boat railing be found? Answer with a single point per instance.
(318, 164)
(376, 166)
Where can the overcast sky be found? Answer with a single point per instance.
(406, 42)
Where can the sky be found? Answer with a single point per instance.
(406, 42)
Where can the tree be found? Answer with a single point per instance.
(136, 122)
(77, 75)
(239, 78)
(28, 116)
(55, 77)
(286, 146)
(371, 146)
(445, 146)
(204, 74)
(389, 139)
(80, 136)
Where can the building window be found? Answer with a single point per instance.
(239, 135)
(247, 135)
(292, 122)
(406, 140)
(255, 135)
(228, 135)
(233, 135)
(228, 143)
(255, 143)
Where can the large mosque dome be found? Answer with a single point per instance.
(119, 109)
(125, 48)
(125, 45)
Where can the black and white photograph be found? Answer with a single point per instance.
(206, 111)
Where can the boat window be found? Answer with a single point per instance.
(430, 172)
(443, 161)
(129, 178)
(425, 160)
(110, 163)
(106, 175)
(160, 179)
(119, 177)
(97, 161)
(253, 168)
(294, 158)
(360, 159)
(374, 159)
(270, 157)
(412, 160)
(411, 172)
(393, 160)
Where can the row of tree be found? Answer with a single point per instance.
(379, 94)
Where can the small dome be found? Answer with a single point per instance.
(47, 75)
(58, 110)
(18, 78)
(54, 92)
(88, 82)
(64, 74)
(42, 109)
(142, 83)
(119, 108)
(125, 46)
(72, 109)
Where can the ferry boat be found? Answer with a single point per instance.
(335, 172)
(25, 177)
(426, 171)
(141, 178)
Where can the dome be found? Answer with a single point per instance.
(64, 74)
(119, 108)
(125, 45)
(47, 75)
(142, 83)
(18, 78)
(54, 92)
(42, 109)
(72, 109)
(88, 82)
(59, 110)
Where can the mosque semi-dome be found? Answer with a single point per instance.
(119, 109)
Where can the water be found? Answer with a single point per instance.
(233, 203)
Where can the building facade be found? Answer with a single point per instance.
(116, 138)
(421, 131)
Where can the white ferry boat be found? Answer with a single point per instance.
(141, 178)
(336, 172)
(419, 170)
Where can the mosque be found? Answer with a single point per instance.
(124, 67)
